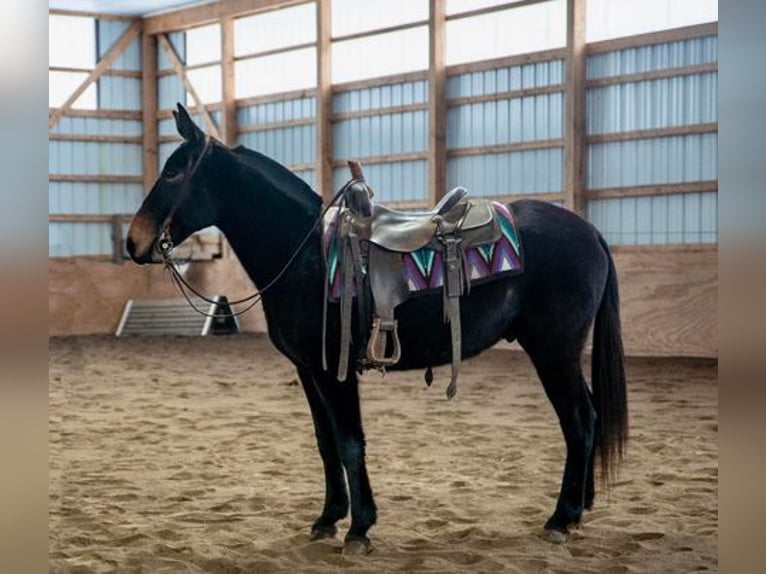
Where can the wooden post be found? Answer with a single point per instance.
(149, 103)
(324, 146)
(574, 119)
(229, 113)
(437, 102)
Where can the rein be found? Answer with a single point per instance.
(165, 246)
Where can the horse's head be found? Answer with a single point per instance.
(181, 200)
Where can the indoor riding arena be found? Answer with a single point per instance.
(206, 435)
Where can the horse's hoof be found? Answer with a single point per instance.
(357, 547)
(322, 532)
(557, 536)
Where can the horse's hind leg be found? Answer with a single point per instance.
(336, 497)
(566, 388)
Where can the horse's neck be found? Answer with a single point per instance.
(264, 228)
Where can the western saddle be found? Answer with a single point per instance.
(372, 239)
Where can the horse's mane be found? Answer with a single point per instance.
(278, 175)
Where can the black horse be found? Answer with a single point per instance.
(569, 282)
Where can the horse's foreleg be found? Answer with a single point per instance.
(336, 496)
(342, 401)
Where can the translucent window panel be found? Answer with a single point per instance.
(207, 84)
(293, 70)
(507, 32)
(380, 55)
(275, 29)
(61, 85)
(71, 41)
(459, 6)
(353, 16)
(615, 18)
(203, 45)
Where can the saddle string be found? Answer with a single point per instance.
(166, 246)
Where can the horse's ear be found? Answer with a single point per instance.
(186, 126)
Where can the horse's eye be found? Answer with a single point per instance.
(170, 173)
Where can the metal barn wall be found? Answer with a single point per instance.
(657, 90)
(95, 163)
(507, 143)
(371, 124)
(282, 129)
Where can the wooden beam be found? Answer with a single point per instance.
(207, 13)
(492, 9)
(380, 81)
(509, 95)
(102, 114)
(654, 75)
(660, 189)
(99, 178)
(379, 112)
(228, 95)
(168, 114)
(88, 218)
(508, 61)
(94, 138)
(505, 148)
(275, 51)
(278, 97)
(654, 133)
(117, 73)
(661, 37)
(574, 117)
(181, 72)
(437, 101)
(324, 143)
(386, 158)
(276, 125)
(539, 196)
(376, 31)
(149, 104)
(127, 37)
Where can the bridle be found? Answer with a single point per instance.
(165, 245)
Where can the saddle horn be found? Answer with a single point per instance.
(356, 169)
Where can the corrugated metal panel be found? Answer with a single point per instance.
(380, 135)
(679, 101)
(89, 158)
(392, 182)
(656, 57)
(653, 161)
(657, 220)
(170, 90)
(93, 198)
(117, 93)
(533, 171)
(505, 121)
(97, 126)
(289, 146)
(68, 239)
(506, 79)
(377, 97)
(269, 112)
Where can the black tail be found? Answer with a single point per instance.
(608, 377)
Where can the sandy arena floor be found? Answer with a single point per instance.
(198, 455)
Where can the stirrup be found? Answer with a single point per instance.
(379, 341)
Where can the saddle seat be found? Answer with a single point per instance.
(405, 232)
